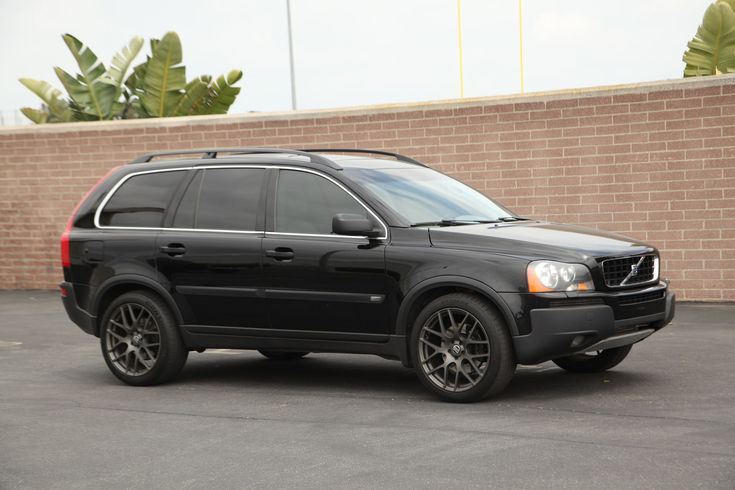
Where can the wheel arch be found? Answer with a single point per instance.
(124, 283)
(428, 290)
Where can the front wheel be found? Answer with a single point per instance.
(140, 340)
(594, 362)
(461, 348)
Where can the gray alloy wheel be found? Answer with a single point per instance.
(454, 353)
(461, 348)
(140, 340)
(132, 339)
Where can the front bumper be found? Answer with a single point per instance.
(84, 320)
(565, 330)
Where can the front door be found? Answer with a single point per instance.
(317, 284)
(209, 252)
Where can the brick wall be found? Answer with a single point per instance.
(654, 161)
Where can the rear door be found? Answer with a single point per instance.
(126, 225)
(209, 251)
(318, 284)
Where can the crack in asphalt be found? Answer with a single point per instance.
(624, 415)
(347, 395)
(509, 434)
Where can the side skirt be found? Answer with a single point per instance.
(206, 337)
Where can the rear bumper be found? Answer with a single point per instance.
(562, 331)
(83, 320)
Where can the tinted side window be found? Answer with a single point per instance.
(222, 199)
(141, 201)
(306, 203)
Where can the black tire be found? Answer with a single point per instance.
(594, 363)
(138, 360)
(282, 356)
(485, 364)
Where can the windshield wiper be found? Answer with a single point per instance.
(513, 218)
(460, 222)
(454, 222)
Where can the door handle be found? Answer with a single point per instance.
(173, 249)
(280, 253)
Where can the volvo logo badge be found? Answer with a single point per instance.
(634, 270)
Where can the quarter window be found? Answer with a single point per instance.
(306, 203)
(222, 199)
(141, 200)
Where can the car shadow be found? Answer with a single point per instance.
(359, 375)
(335, 373)
(547, 381)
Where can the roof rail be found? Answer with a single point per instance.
(211, 153)
(397, 156)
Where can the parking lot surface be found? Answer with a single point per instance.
(664, 418)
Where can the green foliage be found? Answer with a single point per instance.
(121, 63)
(155, 88)
(55, 109)
(165, 77)
(712, 51)
(222, 93)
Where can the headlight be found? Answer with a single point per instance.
(545, 276)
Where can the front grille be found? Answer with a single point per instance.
(641, 298)
(627, 271)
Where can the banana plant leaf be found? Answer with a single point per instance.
(194, 99)
(222, 93)
(121, 63)
(165, 77)
(58, 108)
(134, 82)
(36, 115)
(712, 50)
(90, 93)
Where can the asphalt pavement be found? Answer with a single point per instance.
(664, 418)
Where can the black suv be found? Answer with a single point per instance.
(290, 252)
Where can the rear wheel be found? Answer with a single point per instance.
(461, 348)
(140, 340)
(594, 362)
(282, 356)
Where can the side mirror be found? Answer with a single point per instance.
(354, 225)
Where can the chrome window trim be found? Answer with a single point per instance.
(114, 189)
(202, 230)
(622, 284)
(317, 235)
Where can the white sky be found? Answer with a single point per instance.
(354, 52)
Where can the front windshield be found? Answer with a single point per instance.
(424, 196)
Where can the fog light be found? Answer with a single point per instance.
(577, 341)
(63, 291)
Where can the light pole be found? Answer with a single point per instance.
(290, 56)
(520, 35)
(459, 45)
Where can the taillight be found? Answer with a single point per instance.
(65, 250)
(65, 253)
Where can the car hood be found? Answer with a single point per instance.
(537, 240)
